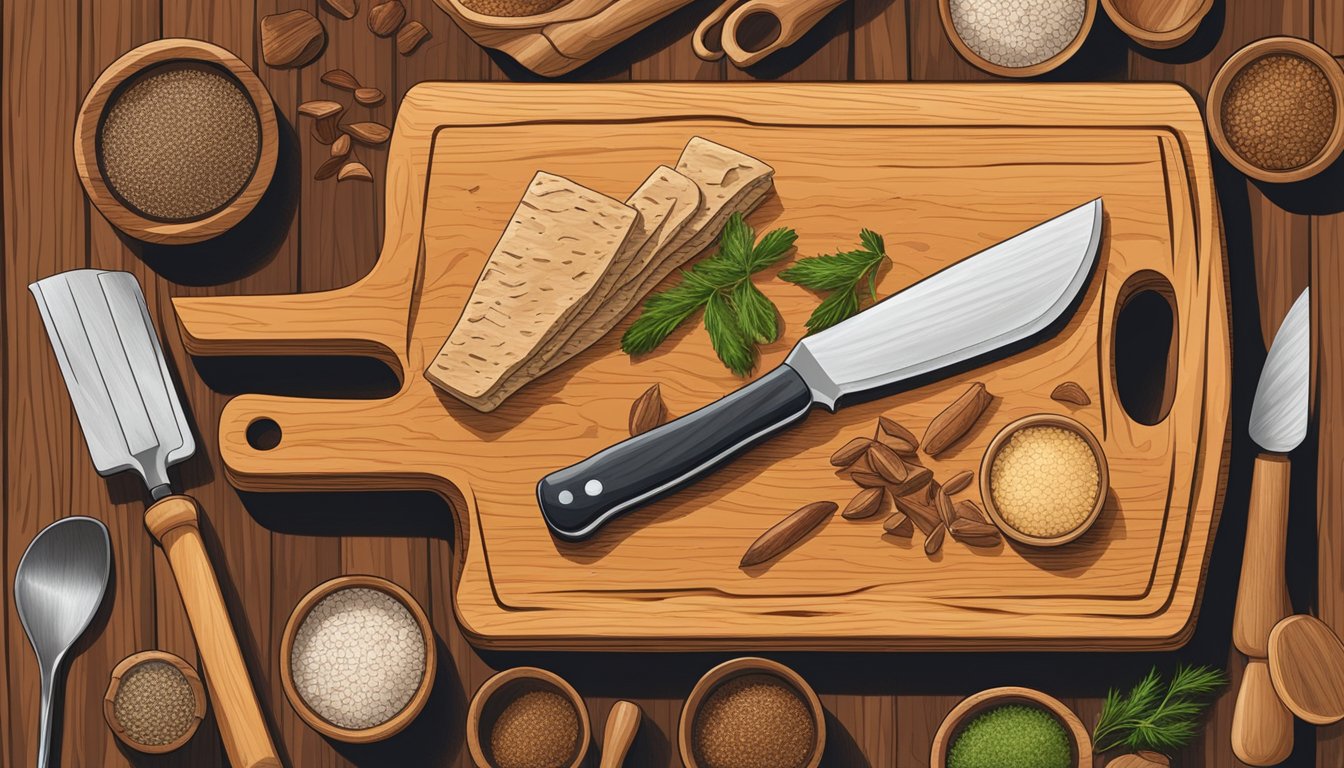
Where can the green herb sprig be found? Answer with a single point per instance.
(840, 273)
(1148, 718)
(737, 315)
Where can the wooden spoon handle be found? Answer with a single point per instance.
(173, 521)
(795, 18)
(1262, 594)
(622, 725)
(1262, 728)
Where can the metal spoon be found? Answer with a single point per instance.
(57, 589)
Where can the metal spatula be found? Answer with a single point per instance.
(114, 368)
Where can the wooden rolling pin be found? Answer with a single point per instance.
(174, 523)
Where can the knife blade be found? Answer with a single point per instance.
(987, 304)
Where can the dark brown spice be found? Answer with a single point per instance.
(539, 729)
(155, 704)
(753, 721)
(512, 7)
(1279, 111)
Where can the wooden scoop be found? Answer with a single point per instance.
(1306, 666)
(787, 19)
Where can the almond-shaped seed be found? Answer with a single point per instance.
(346, 9)
(354, 170)
(899, 524)
(946, 510)
(787, 532)
(956, 419)
(931, 492)
(1071, 392)
(385, 18)
(958, 482)
(917, 481)
(868, 480)
(341, 146)
(648, 411)
(329, 167)
(975, 534)
(369, 97)
(906, 449)
(887, 464)
(339, 78)
(969, 510)
(894, 428)
(850, 452)
(935, 540)
(410, 36)
(864, 504)
(925, 517)
(368, 132)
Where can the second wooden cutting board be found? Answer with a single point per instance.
(942, 171)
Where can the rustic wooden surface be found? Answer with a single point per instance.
(884, 708)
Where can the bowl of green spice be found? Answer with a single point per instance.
(1011, 727)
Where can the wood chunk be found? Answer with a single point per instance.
(369, 133)
(385, 18)
(339, 78)
(354, 170)
(329, 167)
(1071, 392)
(850, 452)
(864, 504)
(291, 39)
(925, 517)
(917, 481)
(899, 524)
(787, 532)
(887, 464)
(410, 36)
(868, 480)
(956, 420)
(346, 9)
(901, 436)
(369, 97)
(648, 411)
(958, 482)
(934, 542)
(341, 146)
(326, 118)
(975, 534)
(969, 510)
(943, 503)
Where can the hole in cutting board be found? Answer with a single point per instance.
(1144, 347)
(263, 434)
(758, 30)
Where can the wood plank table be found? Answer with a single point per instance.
(271, 549)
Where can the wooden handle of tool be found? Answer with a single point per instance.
(622, 725)
(1262, 595)
(173, 521)
(1262, 728)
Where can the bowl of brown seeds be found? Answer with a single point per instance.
(1274, 109)
(527, 718)
(154, 702)
(176, 141)
(752, 713)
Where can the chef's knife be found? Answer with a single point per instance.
(1262, 728)
(982, 306)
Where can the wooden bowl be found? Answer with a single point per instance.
(123, 669)
(748, 665)
(992, 452)
(1243, 58)
(167, 53)
(499, 691)
(1157, 23)
(971, 706)
(398, 721)
(1040, 68)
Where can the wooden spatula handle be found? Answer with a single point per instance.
(1262, 728)
(1262, 595)
(622, 725)
(173, 521)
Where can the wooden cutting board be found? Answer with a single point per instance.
(942, 171)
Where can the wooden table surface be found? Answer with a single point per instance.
(270, 549)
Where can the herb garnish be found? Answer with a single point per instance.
(1148, 719)
(840, 273)
(737, 315)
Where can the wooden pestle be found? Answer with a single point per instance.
(174, 523)
(622, 725)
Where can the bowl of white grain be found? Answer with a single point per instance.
(357, 659)
(1017, 38)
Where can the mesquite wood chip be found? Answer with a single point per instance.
(648, 411)
(956, 420)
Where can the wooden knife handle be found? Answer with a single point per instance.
(1262, 728)
(622, 725)
(173, 521)
(1262, 595)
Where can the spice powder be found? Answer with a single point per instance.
(1017, 33)
(512, 8)
(179, 142)
(539, 729)
(1045, 481)
(1279, 111)
(753, 721)
(358, 658)
(154, 704)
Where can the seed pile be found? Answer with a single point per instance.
(1278, 112)
(512, 7)
(1045, 481)
(155, 704)
(358, 657)
(753, 721)
(180, 143)
(1017, 33)
(539, 729)
(1012, 736)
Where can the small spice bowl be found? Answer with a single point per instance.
(975, 44)
(1013, 445)
(532, 714)
(154, 702)
(962, 715)
(735, 678)
(176, 141)
(1160, 25)
(374, 624)
(1279, 132)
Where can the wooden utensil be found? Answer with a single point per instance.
(707, 39)
(1306, 666)
(973, 164)
(622, 725)
(1080, 741)
(792, 18)
(1157, 23)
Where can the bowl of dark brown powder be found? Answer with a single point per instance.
(154, 702)
(752, 713)
(527, 718)
(1274, 109)
(176, 141)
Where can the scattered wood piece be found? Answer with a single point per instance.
(1071, 392)
(864, 504)
(341, 146)
(354, 170)
(850, 452)
(899, 524)
(787, 532)
(648, 411)
(975, 534)
(958, 482)
(946, 510)
(969, 510)
(369, 97)
(900, 439)
(410, 36)
(339, 78)
(956, 419)
(919, 479)
(925, 517)
(868, 480)
(326, 116)
(368, 132)
(291, 39)
(934, 542)
(329, 167)
(346, 9)
(886, 463)
(385, 18)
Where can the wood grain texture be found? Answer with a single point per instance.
(1262, 595)
(1306, 665)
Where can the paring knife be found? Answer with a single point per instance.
(1262, 727)
(983, 306)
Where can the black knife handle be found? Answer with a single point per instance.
(577, 500)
